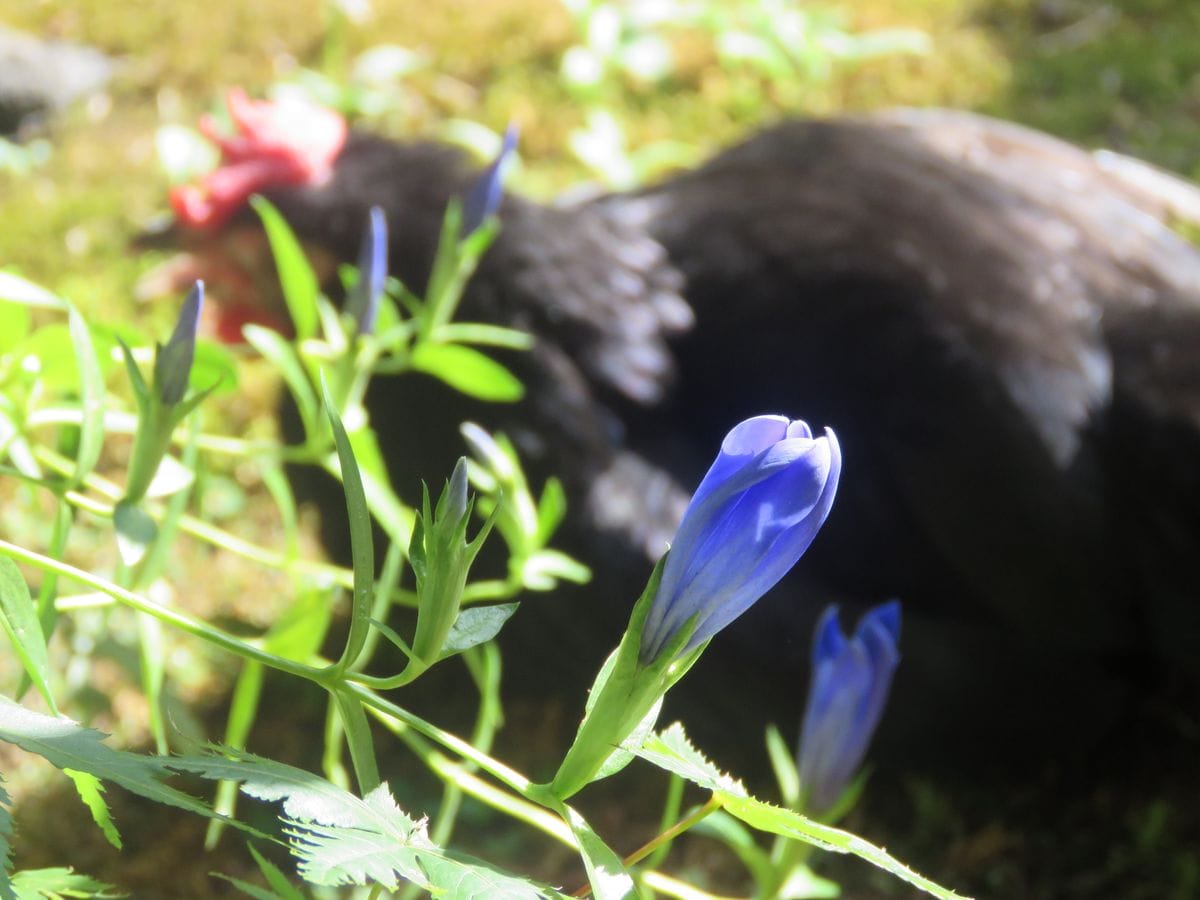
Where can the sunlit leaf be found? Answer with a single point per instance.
(468, 371)
(61, 884)
(135, 532)
(671, 750)
(91, 397)
(296, 275)
(475, 625)
(19, 616)
(91, 792)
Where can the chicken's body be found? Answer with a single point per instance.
(1002, 329)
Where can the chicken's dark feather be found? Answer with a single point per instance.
(1002, 329)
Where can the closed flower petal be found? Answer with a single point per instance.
(363, 302)
(483, 199)
(851, 678)
(173, 362)
(752, 517)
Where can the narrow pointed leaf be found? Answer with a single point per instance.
(91, 792)
(19, 616)
(468, 371)
(91, 398)
(362, 547)
(296, 276)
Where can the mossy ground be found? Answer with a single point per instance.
(1120, 74)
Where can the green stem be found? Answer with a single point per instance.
(671, 809)
(358, 739)
(175, 618)
(713, 804)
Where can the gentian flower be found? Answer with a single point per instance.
(483, 199)
(752, 517)
(173, 361)
(849, 688)
(363, 302)
(756, 511)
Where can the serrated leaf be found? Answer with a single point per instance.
(672, 751)
(296, 276)
(91, 792)
(6, 833)
(463, 878)
(60, 884)
(476, 625)
(468, 371)
(19, 616)
(68, 745)
(337, 837)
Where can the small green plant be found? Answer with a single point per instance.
(63, 406)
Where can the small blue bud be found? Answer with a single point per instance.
(363, 302)
(846, 696)
(173, 361)
(483, 199)
(753, 516)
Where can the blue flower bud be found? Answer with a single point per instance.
(849, 688)
(754, 514)
(173, 362)
(483, 199)
(363, 302)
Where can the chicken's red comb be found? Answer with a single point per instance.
(284, 142)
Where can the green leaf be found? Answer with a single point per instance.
(19, 616)
(91, 397)
(468, 371)
(783, 763)
(14, 324)
(68, 745)
(552, 507)
(91, 792)
(488, 335)
(476, 625)
(296, 275)
(135, 531)
(275, 877)
(541, 571)
(250, 890)
(605, 871)
(213, 365)
(671, 750)
(6, 833)
(16, 289)
(60, 884)
(362, 543)
(338, 838)
(342, 839)
(54, 348)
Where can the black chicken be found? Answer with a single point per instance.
(1004, 331)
